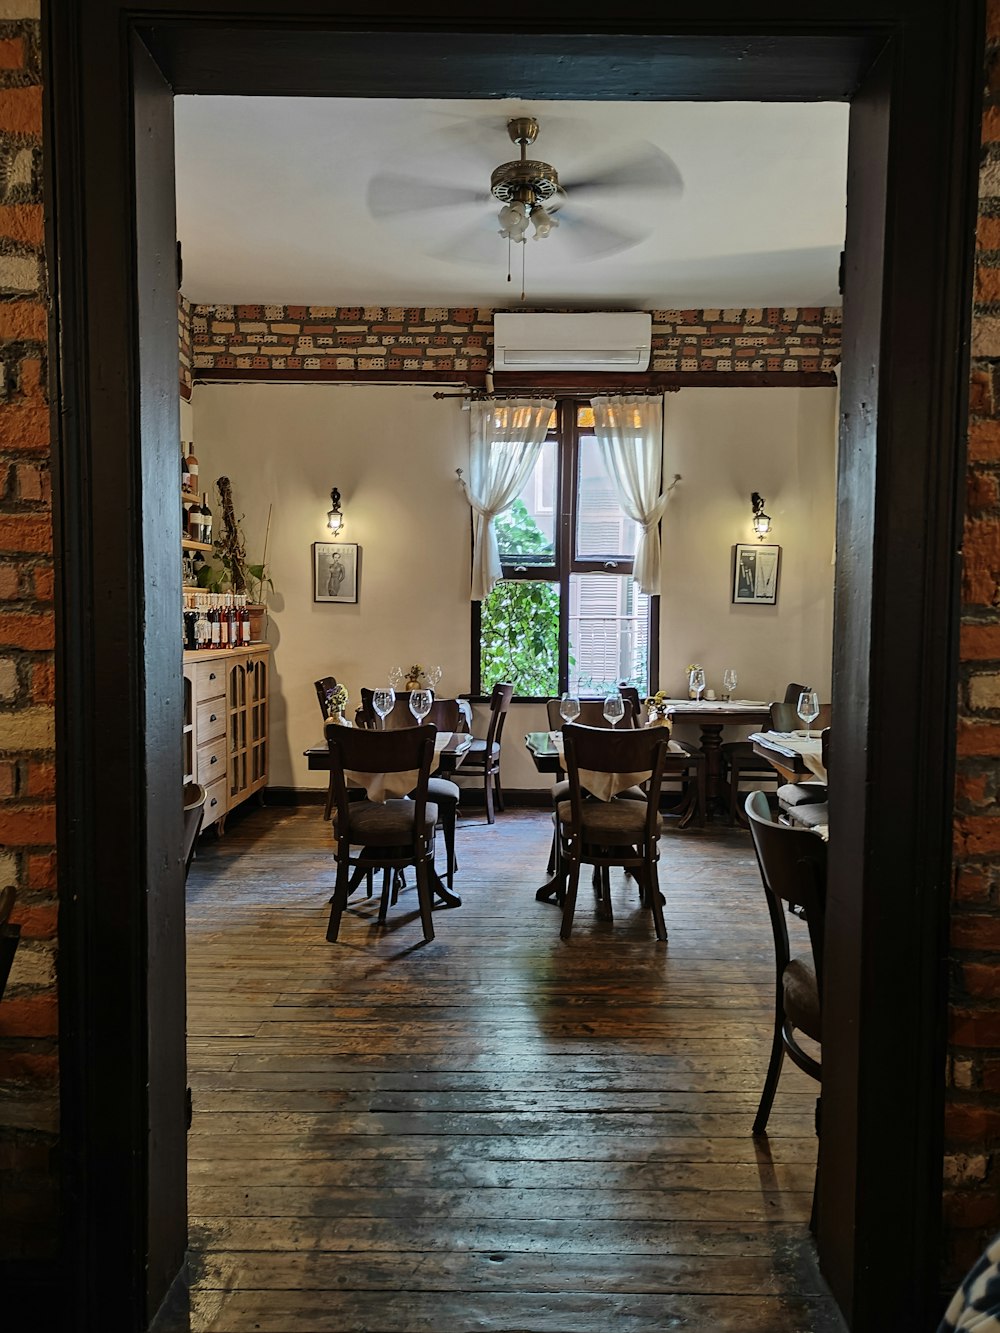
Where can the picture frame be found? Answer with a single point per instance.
(755, 574)
(335, 571)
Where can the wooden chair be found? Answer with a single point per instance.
(392, 834)
(614, 832)
(692, 771)
(9, 935)
(483, 759)
(194, 812)
(740, 763)
(445, 715)
(792, 865)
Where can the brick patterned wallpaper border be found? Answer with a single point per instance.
(279, 341)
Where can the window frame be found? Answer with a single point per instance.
(567, 434)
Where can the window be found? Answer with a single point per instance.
(566, 614)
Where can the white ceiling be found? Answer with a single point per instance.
(272, 203)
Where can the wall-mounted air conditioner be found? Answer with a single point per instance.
(537, 341)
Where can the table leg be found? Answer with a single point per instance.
(711, 744)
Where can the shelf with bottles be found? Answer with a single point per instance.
(215, 620)
(196, 546)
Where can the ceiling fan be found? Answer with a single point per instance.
(593, 207)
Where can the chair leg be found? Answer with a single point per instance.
(448, 828)
(387, 882)
(488, 785)
(328, 808)
(424, 898)
(652, 889)
(499, 790)
(569, 906)
(773, 1071)
(339, 900)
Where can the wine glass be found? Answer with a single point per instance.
(614, 708)
(729, 679)
(432, 675)
(420, 703)
(808, 707)
(383, 701)
(697, 682)
(569, 707)
(396, 676)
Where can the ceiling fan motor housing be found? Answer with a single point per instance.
(526, 181)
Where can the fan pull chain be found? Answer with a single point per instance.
(523, 249)
(508, 258)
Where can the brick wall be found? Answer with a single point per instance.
(283, 341)
(972, 1116)
(28, 1061)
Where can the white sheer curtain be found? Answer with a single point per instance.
(506, 441)
(629, 434)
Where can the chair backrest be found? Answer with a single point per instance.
(592, 715)
(784, 717)
(324, 689)
(793, 690)
(407, 749)
(194, 812)
(603, 750)
(792, 865)
(499, 703)
(445, 714)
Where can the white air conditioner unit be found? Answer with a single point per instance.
(537, 341)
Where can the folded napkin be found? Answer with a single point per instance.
(383, 786)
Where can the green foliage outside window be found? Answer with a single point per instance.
(520, 619)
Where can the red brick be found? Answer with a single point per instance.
(22, 222)
(966, 1208)
(971, 787)
(981, 980)
(993, 20)
(25, 532)
(978, 738)
(987, 287)
(11, 53)
(977, 835)
(28, 1067)
(991, 1075)
(984, 441)
(965, 1123)
(43, 683)
(31, 378)
(971, 885)
(22, 630)
(21, 110)
(979, 643)
(43, 579)
(24, 426)
(8, 779)
(29, 1016)
(975, 930)
(982, 490)
(10, 583)
(979, 1029)
(27, 825)
(37, 922)
(988, 233)
(41, 780)
(42, 871)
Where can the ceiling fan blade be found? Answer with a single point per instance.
(590, 238)
(648, 168)
(480, 243)
(391, 194)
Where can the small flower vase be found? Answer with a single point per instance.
(413, 683)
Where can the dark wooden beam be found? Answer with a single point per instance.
(549, 385)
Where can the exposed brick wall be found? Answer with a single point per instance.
(28, 1060)
(285, 340)
(972, 1115)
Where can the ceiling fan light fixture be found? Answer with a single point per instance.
(513, 219)
(543, 222)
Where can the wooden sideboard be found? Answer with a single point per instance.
(226, 726)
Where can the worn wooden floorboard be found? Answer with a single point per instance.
(497, 1130)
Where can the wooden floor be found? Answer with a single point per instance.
(497, 1130)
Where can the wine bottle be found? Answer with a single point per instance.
(206, 518)
(234, 622)
(244, 622)
(185, 471)
(192, 465)
(224, 623)
(216, 622)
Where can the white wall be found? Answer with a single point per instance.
(393, 451)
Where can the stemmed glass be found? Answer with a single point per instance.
(569, 707)
(420, 703)
(614, 708)
(729, 679)
(432, 675)
(808, 708)
(396, 676)
(697, 682)
(383, 701)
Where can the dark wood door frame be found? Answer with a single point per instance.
(911, 69)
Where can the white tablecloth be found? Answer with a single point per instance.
(381, 786)
(605, 786)
(810, 748)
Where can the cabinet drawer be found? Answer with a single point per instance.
(215, 802)
(209, 680)
(210, 721)
(212, 761)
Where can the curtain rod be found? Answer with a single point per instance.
(557, 391)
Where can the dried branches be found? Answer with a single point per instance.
(229, 544)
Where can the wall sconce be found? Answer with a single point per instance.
(335, 519)
(761, 521)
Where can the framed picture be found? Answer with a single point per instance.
(755, 574)
(335, 571)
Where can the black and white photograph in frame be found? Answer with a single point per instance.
(335, 571)
(755, 574)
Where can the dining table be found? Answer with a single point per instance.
(711, 716)
(797, 757)
(449, 749)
